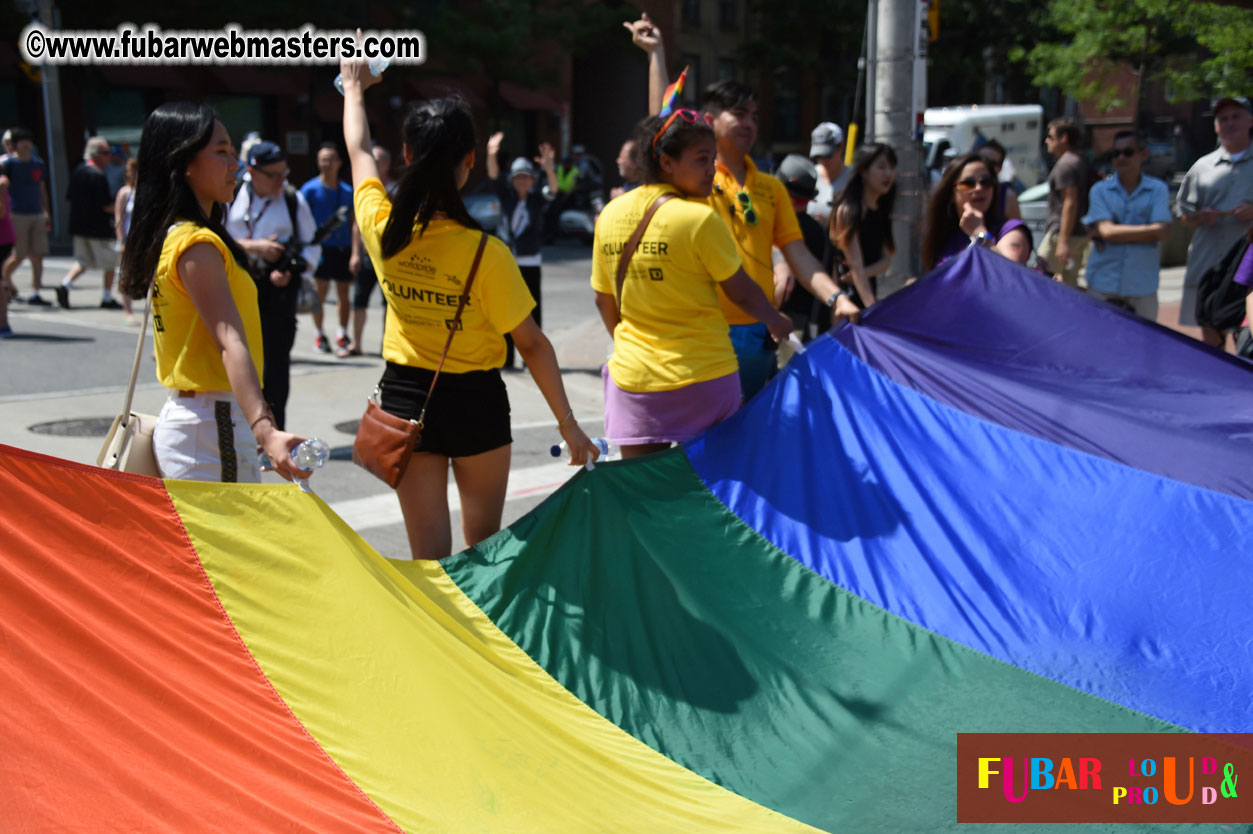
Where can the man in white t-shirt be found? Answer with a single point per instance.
(826, 149)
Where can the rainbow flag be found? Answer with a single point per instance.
(671, 96)
(926, 525)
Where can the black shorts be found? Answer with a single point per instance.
(334, 264)
(469, 413)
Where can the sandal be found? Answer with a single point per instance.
(344, 353)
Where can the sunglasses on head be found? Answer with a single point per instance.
(971, 183)
(690, 116)
(1125, 152)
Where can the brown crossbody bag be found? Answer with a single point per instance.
(384, 441)
(628, 249)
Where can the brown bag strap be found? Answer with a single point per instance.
(455, 326)
(624, 259)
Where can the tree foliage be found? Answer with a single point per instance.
(1197, 48)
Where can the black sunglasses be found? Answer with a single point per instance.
(1127, 152)
(970, 183)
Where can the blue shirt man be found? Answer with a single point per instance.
(341, 252)
(1128, 213)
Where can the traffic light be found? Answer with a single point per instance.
(933, 19)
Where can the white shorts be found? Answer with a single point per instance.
(205, 438)
(95, 253)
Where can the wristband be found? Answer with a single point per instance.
(265, 415)
(835, 296)
(982, 239)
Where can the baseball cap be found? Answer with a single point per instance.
(826, 137)
(1239, 101)
(521, 166)
(799, 175)
(263, 153)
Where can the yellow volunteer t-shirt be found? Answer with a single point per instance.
(423, 285)
(671, 333)
(776, 226)
(187, 356)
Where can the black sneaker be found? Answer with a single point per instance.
(321, 344)
(63, 296)
(37, 301)
(107, 304)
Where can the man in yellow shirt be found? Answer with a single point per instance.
(755, 207)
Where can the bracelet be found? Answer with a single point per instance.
(562, 421)
(265, 415)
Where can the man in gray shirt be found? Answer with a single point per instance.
(1065, 239)
(1216, 198)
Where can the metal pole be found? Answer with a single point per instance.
(872, 58)
(54, 127)
(896, 122)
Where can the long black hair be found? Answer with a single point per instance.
(854, 195)
(173, 134)
(942, 221)
(677, 138)
(439, 134)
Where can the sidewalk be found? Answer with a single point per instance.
(328, 394)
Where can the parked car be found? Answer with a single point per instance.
(484, 206)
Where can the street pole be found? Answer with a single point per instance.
(898, 105)
(54, 147)
(872, 56)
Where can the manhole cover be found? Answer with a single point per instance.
(84, 427)
(348, 427)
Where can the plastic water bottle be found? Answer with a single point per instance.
(608, 451)
(377, 66)
(313, 453)
(797, 346)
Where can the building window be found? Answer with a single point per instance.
(692, 86)
(691, 13)
(726, 69)
(728, 14)
(787, 109)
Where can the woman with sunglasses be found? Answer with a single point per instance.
(964, 209)
(673, 372)
(206, 324)
(423, 243)
(861, 224)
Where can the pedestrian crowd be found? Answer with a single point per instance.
(707, 271)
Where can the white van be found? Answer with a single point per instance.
(949, 132)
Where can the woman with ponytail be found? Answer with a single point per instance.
(422, 244)
(673, 372)
(206, 328)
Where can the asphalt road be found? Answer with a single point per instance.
(66, 372)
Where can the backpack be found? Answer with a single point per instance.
(1219, 299)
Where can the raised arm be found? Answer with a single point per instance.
(493, 152)
(357, 77)
(546, 158)
(646, 35)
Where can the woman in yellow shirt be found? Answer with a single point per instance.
(422, 246)
(206, 328)
(673, 372)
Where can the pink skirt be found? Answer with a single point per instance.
(633, 419)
